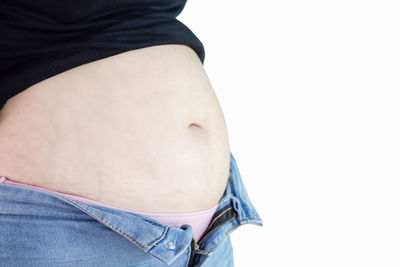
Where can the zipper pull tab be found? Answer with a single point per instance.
(204, 252)
(197, 250)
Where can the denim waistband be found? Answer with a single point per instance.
(159, 240)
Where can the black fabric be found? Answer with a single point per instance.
(42, 38)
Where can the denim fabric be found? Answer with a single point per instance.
(39, 228)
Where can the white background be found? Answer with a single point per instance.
(310, 92)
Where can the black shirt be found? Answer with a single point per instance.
(42, 38)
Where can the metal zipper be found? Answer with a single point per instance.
(196, 245)
(215, 228)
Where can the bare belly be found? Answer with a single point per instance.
(142, 130)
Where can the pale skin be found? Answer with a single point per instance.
(142, 130)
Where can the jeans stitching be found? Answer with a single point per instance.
(154, 243)
(113, 227)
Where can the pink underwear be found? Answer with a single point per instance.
(199, 220)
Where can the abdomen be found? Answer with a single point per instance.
(141, 130)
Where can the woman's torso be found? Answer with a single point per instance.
(118, 130)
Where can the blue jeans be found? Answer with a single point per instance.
(44, 229)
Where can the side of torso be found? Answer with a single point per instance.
(118, 130)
